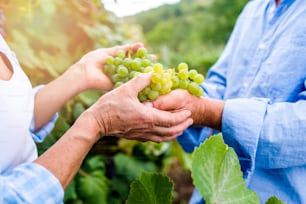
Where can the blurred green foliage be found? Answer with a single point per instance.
(50, 35)
(193, 31)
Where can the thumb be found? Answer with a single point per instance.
(140, 82)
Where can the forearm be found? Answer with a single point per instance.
(65, 157)
(54, 95)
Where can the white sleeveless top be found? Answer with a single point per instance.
(16, 112)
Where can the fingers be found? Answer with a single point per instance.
(138, 83)
(169, 119)
(113, 51)
(170, 101)
(162, 134)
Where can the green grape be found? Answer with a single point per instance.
(153, 95)
(199, 92)
(175, 82)
(148, 69)
(120, 54)
(118, 83)
(156, 77)
(141, 52)
(147, 90)
(125, 79)
(136, 64)
(198, 78)
(158, 68)
(193, 88)
(142, 96)
(109, 60)
(117, 61)
(109, 69)
(126, 65)
(184, 84)
(146, 63)
(182, 66)
(156, 86)
(122, 71)
(183, 74)
(192, 73)
(115, 77)
(127, 62)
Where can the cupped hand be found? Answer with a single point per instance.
(119, 113)
(204, 111)
(91, 66)
(178, 100)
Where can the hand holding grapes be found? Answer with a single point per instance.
(89, 67)
(121, 114)
(204, 111)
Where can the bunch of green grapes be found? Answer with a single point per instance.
(126, 65)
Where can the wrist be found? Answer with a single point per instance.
(76, 77)
(88, 128)
(209, 113)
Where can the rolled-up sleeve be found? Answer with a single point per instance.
(40, 134)
(31, 184)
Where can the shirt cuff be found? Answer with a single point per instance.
(40, 134)
(242, 121)
(31, 183)
(192, 137)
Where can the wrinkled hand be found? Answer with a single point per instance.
(204, 111)
(119, 113)
(178, 100)
(91, 66)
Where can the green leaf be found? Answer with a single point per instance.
(93, 188)
(95, 163)
(274, 200)
(131, 168)
(217, 176)
(151, 188)
(70, 193)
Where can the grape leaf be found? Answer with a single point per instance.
(93, 187)
(131, 168)
(217, 176)
(70, 193)
(274, 200)
(151, 188)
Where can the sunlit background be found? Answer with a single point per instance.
(130, 7)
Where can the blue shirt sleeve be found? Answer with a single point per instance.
(40, 134)
(30, 183)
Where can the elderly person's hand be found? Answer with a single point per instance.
(204, 111)
(120, 113)
(89, 67)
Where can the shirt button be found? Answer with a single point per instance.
(262, 46)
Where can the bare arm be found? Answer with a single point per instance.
(83, 75)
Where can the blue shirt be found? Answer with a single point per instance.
(261, 76)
